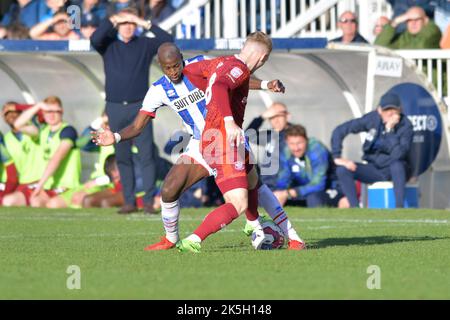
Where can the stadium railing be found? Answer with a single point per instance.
(279, 18)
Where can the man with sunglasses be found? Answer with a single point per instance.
(420, 33)
(348, 23)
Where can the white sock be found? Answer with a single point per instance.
(255, 223)
(169, 214)
(195, 238)
(270, 203)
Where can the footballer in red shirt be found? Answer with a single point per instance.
(225, 81)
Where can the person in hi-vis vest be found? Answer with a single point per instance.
(60, 159)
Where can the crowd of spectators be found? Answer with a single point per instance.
(60, 20)
(311, 175)
(415, 24)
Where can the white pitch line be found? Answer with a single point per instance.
(152, 219)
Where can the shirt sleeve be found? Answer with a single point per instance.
(233, 75)
(197, 73)
(152, 101)
(69, 133)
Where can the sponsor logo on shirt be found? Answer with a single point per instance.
(236, 72)
(171, 93)
(189, 100)
(239, 165)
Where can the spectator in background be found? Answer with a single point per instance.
(4, 7)
(157, 10)
(8, 172)
(442, 14)
(92, 13)
(176, 4)
(305, 171)
(127, 60)
(23, 149)
(25, 12)
(88, 29)
(400, 7)
(379, 25)
(421, 32)
(61, 158)
(17, 31)
(388, 141)
(57, 28)
(3, 32)
(445, 41)
(348, 23)
(51, 8)
(272, 140)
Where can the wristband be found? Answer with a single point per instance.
(228, 118)
(117, 137)
(265, 85)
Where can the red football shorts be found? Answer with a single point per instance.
(27, 190)
(230, 163)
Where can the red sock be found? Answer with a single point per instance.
(252, 210)
(216, 220)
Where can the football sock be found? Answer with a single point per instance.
(216, 220)
(170, 212)
(270, 203)
(252, 209)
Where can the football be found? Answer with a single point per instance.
(273, 237)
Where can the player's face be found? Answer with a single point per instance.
(278, 122)
(387, 115)
(173, 69)
(11, 117)
(261, 61)
(415, 23)
(61, 28)
(297, 145)
(53, 116)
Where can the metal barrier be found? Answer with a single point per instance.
(279, 18)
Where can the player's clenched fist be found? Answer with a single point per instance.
(103, 136)
(276, 86)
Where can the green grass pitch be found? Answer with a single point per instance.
(410, 247)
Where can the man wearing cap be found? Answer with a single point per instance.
(388, 141)
(61, 159)
(126, 60)
(272, 140)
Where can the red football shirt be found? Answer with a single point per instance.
(225, 81)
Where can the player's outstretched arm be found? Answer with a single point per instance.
(105, 137)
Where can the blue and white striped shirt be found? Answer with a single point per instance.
(183, 98)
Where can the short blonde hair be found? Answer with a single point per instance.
(260, 37)
(53, 100)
